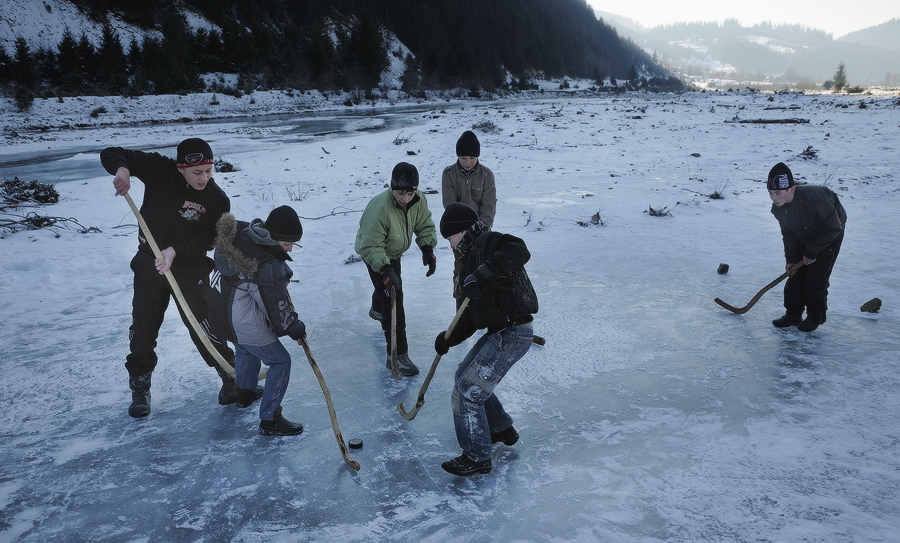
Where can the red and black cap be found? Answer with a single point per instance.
(194, 152)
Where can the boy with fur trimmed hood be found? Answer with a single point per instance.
(252, 260)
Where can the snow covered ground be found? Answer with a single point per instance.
(652, 414)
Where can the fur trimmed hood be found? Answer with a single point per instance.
(228, 255)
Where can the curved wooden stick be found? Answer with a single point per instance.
(334, 423)
(421, 399)
(395, 371)
(742, 310)
(179, 297)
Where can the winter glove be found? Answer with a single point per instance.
(429, 260)
(297, 330)
(474, 285)
(441, 346)
(390, 280)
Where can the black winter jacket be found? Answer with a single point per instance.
(178, 216)
(510, 298)
(810, 223)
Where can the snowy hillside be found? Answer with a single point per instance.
(43, 23)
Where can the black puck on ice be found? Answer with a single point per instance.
(723, 268)
(355, 443)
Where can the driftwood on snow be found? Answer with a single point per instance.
(769, 121)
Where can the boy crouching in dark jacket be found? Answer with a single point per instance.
(252, 260)
(502, 300)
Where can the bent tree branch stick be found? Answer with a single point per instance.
(742, 310)
(421, 400)
(395, 370)
(179, 297)
(334, 423)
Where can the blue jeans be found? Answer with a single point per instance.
(476, 410)
(247, 360)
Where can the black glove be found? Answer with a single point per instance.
(297, 330)
(429, 260)
(440, 344)
(390, 280)
(474, 285)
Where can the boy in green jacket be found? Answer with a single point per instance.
(385, 233)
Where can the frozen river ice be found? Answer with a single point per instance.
(650, 415)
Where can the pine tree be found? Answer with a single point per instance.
(840, 77)
(25, 75)
(111, 62)
(5, 66)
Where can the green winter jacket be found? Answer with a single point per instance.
(386, 229)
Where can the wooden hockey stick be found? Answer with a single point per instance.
(395, 371)
(742, 310)
(334, 423)
(421, 399)
(179, 297)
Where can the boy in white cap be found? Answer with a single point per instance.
(812, 222)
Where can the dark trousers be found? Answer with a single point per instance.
(808, 288)
(381, 302)
(151, 299)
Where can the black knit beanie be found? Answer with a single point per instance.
(405, 177)
(780, 177)
(468, 145)
(283, 224)
(193, 152)
(458, 217)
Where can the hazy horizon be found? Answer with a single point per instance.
(828, 15)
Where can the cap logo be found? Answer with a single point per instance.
(193, 158)
(782, 181)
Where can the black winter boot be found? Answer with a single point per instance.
(810, 323)
(788, 319)
(404, 364)
(508, 437)
(461, 465)
(228, 393)
(280, 426)
(244, 397)
(140, 395)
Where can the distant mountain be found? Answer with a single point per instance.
(775, 55)
(886, 36)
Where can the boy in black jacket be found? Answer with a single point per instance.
(502, 300)
(812, 223)
(181, 206)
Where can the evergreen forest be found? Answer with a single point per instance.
(328, 45)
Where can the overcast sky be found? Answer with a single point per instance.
(838, 17)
